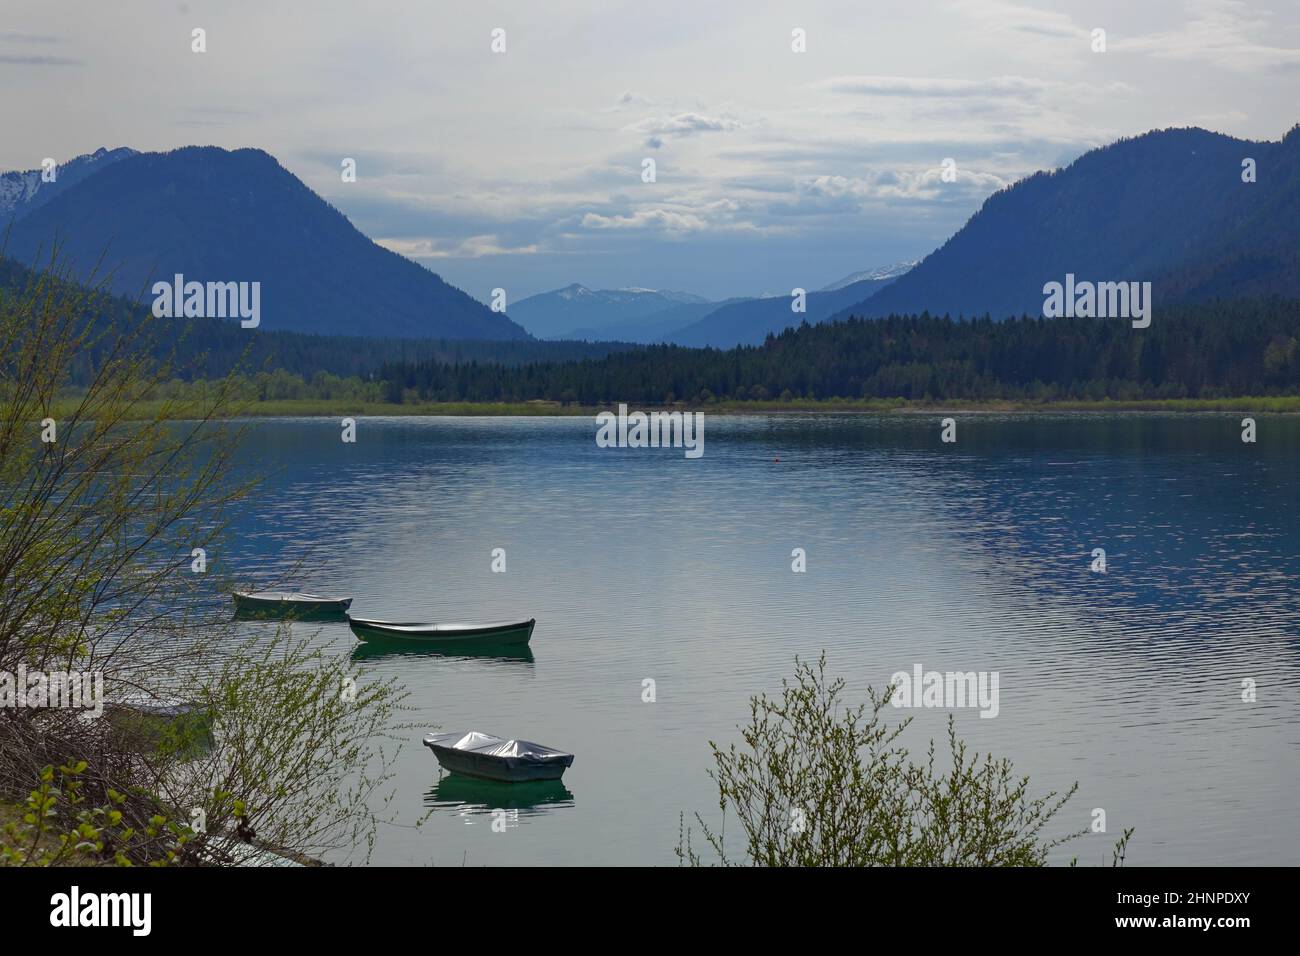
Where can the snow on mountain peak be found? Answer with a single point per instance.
(16, 189)
(577, 290)
(876, 273)
(20, 187)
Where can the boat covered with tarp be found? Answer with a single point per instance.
(482, 755)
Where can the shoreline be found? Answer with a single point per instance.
(330, 408)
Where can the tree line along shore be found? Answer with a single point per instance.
(328, 408)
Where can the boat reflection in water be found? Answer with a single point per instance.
(291, 615)
(470, 797)
(510, 654)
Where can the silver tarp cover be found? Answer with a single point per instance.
(494, 746)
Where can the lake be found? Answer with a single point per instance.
(641, 565)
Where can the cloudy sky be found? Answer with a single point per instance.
(523, 169)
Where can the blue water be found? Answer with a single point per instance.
(639, 564)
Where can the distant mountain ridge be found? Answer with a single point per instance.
(750, 321)
(215, 215)
(655, 327)
(574, 310)
(652, 315)
(682, 298)
(1169, 207)
(24, 192)
(211, 348)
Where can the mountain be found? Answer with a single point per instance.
(1169, 206)
(879, 272)
(656, 327)
(578, 312)
(648, 316)
(679, 298)
(201, 348)
(749, 321)
(238, 216)
(23, 192)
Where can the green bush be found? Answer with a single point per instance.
(817, 783)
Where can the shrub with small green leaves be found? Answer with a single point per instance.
(58, 826)
(98, 528)
(818, 783)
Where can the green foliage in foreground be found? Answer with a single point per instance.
(58, 826)
(817, 783)
(107, 499)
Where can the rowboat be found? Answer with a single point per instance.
(494, 634)
(289, 602)
(494, 758)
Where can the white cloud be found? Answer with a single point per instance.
(678, 220)
(1002, 90)
(474, 247)
(909, 184)
(492, 164)
(633, 99)
(930, 86)
(681, 124)
(1001, 15)
(1226, 33)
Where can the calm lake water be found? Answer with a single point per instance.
(640, 564)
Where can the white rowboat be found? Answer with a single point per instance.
(289, 602)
